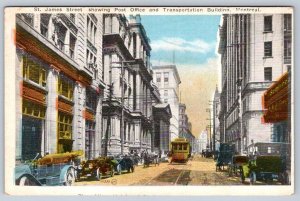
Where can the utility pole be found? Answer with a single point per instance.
(108, 119)
(122, 101)
(209, 126)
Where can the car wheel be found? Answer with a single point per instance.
(24, 181)
(98, 174)
(112, 172)
(252, 178)
(77, 175)
(119, 170)
(69, 177)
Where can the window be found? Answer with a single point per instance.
(65, 88)
(91, 100)
(89, 139)
(158, 77)
(32, 109)
(72, 17)
(287, 22)
(61, 35)
(287, 50)
(91, 60)
(165, 100)
(72, 45)
(91, 30)
(268, 73)
(268, 23)
(107, 21)
(28, 18)
(64, 127)
(268, 49)
(34, 72)
(45, 18)
(165, 92)
(166, 78)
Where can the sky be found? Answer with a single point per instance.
(189, 42)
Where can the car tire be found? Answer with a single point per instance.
(112, 172)
(252, 178)
(119, 170)
(24, 181)
(98, 174)
(69, 177)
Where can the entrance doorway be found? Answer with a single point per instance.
(31, 137)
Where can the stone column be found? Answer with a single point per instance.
(99, 132)
(18, 81)
(78, 132)
(52, 110)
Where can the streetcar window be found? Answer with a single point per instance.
(185, 147)
(174, 146)
(180, 146)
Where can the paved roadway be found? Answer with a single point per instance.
(199, 171)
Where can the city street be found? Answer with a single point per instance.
(198, 171)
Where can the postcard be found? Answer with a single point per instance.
(149, 101)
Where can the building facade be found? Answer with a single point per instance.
(167, 80)
(161, 136)
(255, 50)
(129, 93)
(216, 124)
(185, 126)
(59, 84)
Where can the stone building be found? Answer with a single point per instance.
(255, 50)
(59, 80)
(161, 136)
(167, 80)
(129, 93)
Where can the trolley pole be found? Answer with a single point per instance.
(122, 109)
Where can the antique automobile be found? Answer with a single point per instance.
(263, 168)
(226, 151)
(123, 163)
(96, 168)
(50, 170)
(279, 150)
(150, 158)
(234, 167)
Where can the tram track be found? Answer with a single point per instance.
(169, 176)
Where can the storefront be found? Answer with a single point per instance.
(275, 103)
(33, 108)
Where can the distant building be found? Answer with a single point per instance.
(167, 80)
(255, 50)
(203, 140)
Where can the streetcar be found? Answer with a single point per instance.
(180, 150)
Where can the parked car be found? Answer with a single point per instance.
(123, 163)
(51, 170)
(96, 168)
